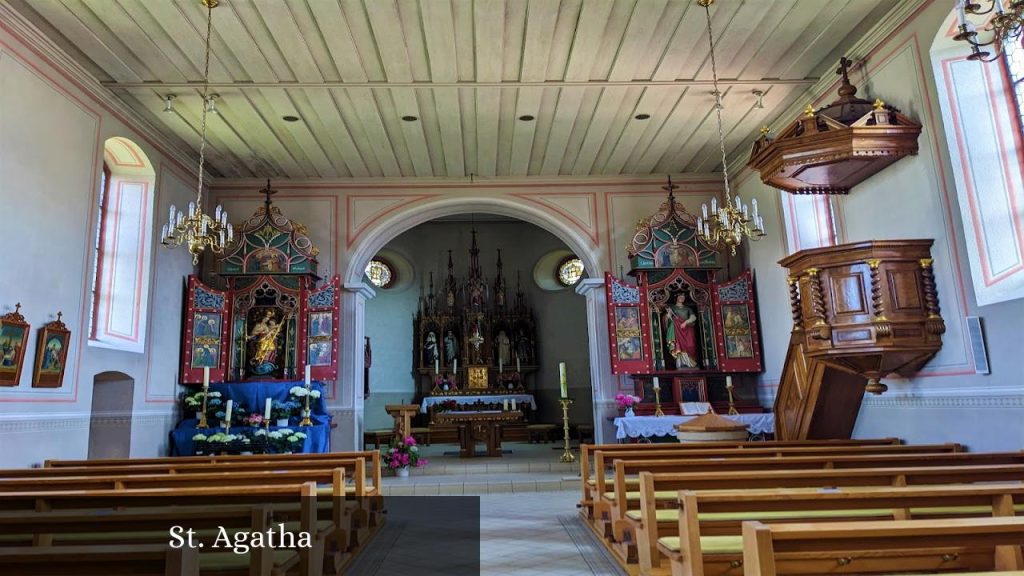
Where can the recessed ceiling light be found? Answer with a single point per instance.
(642, 116)
(410, 118)
(290, 118)
(526, 118)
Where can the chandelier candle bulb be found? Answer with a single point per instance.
(216, 212)
(700, 223)
(191, 209)
(704, 211)
(714, 205)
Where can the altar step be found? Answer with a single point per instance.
(496, 466)
(480, 483)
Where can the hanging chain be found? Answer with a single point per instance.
(718, 103)
(206, 88)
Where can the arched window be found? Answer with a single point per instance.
(124, 234)
(981, 114)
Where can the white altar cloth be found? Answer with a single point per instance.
(647, 426)
(429, 401)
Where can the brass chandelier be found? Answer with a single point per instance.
(727, 225)
(196, 229)
(1006, 25)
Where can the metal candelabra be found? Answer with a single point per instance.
(305, 412)
(567, 455)
(657, 402)
(732, 403)
(202, 415)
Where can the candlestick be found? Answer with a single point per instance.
(567, 455)
(202, 415)
(657, 401)
(732, 404)
(305, 413)
(562, 380)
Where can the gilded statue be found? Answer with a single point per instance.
(265, 334)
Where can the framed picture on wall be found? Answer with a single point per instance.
(51, 354)
(13, 339)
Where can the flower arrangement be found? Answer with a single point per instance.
(192, 403)
(298, 394)
(285, 440)
(403, 455)
(239, 414)
(254, 420)
(284, 410)
(626, 401)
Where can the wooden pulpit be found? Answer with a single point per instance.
(402, 413)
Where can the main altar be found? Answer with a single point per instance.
(261, 321)
(685, 326)
(475, 352)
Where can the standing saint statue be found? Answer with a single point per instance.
(504, 346)
(264, 334)
(451, 348)
(430, 349)
(681, 333)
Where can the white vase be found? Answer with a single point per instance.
(402, 472)
(282, 422)
(629, 413)
(245, 453)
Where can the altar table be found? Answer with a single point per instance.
(253, 395)
(648, 426)
(480, 425)
(523, 399)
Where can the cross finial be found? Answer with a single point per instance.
(765, 130)
(846, 90)
(59, 314)
(671, 192)
(268, 192)
(879, 104)
(17, 308)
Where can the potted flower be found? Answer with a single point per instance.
(403, 455)
(193, 403)
(200, 444)
(238, 414)
(254, 420)
(281, 412)
(304, 398)
(285, 440)
(626, 403)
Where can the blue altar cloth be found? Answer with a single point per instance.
(253, 395)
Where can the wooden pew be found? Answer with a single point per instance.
(600, 506)
(964, 544)
(595, 483)
(137, 560)
(659, 490)
(587, 450)
(704, 537)
(205, 458)
(30, 510)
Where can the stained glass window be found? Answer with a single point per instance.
(570, 271)
(1014, 52)
(380, 273)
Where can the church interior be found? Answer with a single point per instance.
(563, 287)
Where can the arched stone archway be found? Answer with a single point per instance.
(349, 415)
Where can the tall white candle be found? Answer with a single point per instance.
(206, 377)
(514, 404)
(455, 365)
(728, 381)
(501, 364)
(562, 381)
(227, 413)
(437, 366)
(504, 405)
(657, 384)
(266, 410)
(309, 375)
(517, 365)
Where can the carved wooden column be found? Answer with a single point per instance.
(794, 302)
(873, 307)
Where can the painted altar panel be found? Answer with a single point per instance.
(735, 312)
(267, 318)
(628, 325)
(319, 339)
(682, 328)
(206, 332)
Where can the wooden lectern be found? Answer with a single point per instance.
(402, 413)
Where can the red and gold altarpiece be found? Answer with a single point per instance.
(683, 318)
(270, 314)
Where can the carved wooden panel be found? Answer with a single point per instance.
(905, 290)
(848, 294)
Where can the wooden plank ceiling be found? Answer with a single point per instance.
(496, 87)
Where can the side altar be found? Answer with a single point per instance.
(474, 348)
(685, 327)
(264, 317)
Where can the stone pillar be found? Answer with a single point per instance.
(348, 408)
(604, 384)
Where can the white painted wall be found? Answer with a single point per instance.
(560, 315)
(51, 136)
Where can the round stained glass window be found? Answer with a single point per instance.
(380, 273)
(570, 271)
